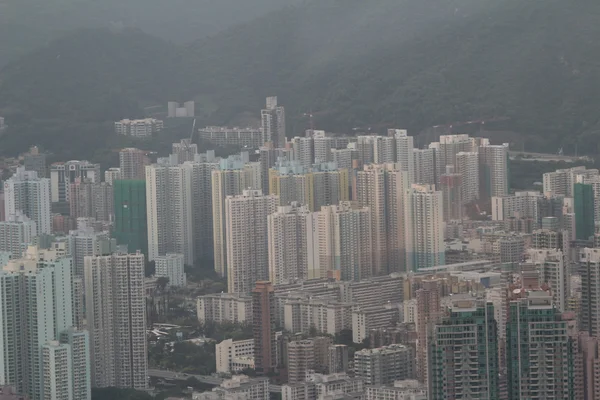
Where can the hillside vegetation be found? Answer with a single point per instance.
(381, 63)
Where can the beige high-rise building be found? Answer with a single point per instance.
(467, 165)
(424, 227)
(450, 146)
(290, 238)
(247, 239)
(116, 319)
(321, 185)
(426, 171)
(344, 241)
(230, 179)
(493, 170)
(169, 206)
(382, 188)
(404, 152)
(132, 163)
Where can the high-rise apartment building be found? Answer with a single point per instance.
(561, 182)
(301, 359)
(428, 311)
(426, 169)
(224, 307)
(202, 208)
(467, 165)
(323, 184)
(62, 175)
(382, 188)
(589, 269)
(81, 203)
(273, 123)
(521, 204)
(185, 150)
(290, 237)
(27, 194)
(169, 207)
(116, 318)
(452, 191)
(464, 355)
(404, 152)
(552, 267)
(230, 179)
(56, 358)
(541, 347)
(132, 163)
(450, 145)
(131, 227)
(138, 128)
(323, 146)
(247, 239)
(171, 266)
(493, 170)
(269, 156)
(424, 227)
(79, 344)
(303, 151)
(16, 233)
(584, 211)
(384, 365)
(34, 160)
(103, 202)
(113, 174)
(37, 308)
(249, 138)
(263, 327)
(344, 241)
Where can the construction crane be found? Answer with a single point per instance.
(188, 143)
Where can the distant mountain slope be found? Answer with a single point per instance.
(26, 24)
(405, 63)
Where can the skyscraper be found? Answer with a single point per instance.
(426, 169)
(552, 268)
(290, 237)
(428, 312)
(464, 357)
(344, 242)
(584, 211)
(63, 174)
(16, 233)
(493, 170)
(467, 165)
(203, 209)
(81, 203)
(589, 269)
(382, 188)
(304, 151)
(185, 150)
(131, 227)
(273, 123)
(263, 327)
(132, 163)
(247, 239)
(36, 309)
(169, 206)
(230, 179)
(116, 319)
(452, 191)
(424, 227)
(24, 192)
(384, 365)
(404, 152)
(541, 347)
(57, 361)
(450, 146)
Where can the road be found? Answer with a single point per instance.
(210, 380)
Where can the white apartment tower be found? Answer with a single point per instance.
(171, 266)
(344, 241)
(450, 146)
(25, 193)
(467, 165)
(132, 163)
(57, 360)
(304, 151)
(231, 179)
(247, 239)
(552, 267)
(424, 227)
(381, 188)
(116, 319)
(36, 309)
(493, 168)
(169, 206)
(113, 174)
(404, 152)
(290, 238)
(16, 233)
(273, 123)
(426, 171)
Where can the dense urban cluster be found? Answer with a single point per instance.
(367, 267)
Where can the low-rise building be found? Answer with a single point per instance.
(384, 365)
(234, 356)
(139, 128)
(238, 387)
(224, 307)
